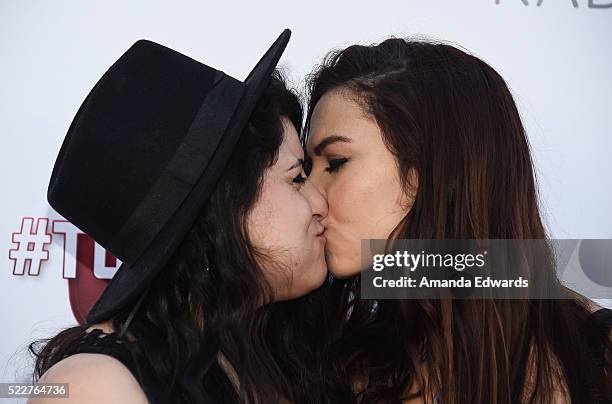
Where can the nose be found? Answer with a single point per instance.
(316, 200)
(315, 179)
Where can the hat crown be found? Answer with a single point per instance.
(122, 138)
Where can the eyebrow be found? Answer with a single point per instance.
(298, 163)
(318, 149)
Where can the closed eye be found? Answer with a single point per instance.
(336, 164)
(299, 179)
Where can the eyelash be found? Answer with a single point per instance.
(335, 164)
(299, 180)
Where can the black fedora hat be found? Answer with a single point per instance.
(144, 152)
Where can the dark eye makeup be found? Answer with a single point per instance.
(335, 164)
(299, 179)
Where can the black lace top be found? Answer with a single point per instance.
(109, 344)
(96, 341)
(157, 391)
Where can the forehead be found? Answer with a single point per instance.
(291, 140)
(338, 113)
(335, 106)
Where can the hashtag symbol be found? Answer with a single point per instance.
(30, 249)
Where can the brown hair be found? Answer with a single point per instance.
(451, 117)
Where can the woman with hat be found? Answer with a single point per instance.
(194, 180)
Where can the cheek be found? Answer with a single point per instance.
(356, 193)
(366, 202)
(281, 214)
(347, 199)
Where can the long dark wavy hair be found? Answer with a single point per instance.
(451, 117)
(190, 315)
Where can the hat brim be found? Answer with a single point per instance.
(128, 284)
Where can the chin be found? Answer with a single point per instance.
(343, 268)
(318, 278)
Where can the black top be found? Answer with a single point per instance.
(96, 341)
(157, 391)
(109, 344)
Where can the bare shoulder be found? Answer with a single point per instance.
(93, 378)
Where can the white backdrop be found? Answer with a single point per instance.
(556, 57)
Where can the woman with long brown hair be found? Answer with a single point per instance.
(420, 140)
